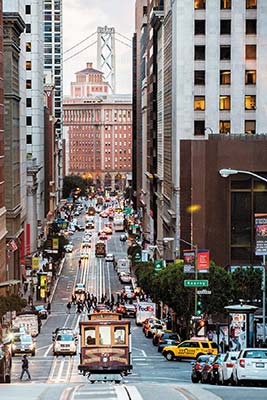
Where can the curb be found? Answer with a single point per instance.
(58, 276)
(194, 392)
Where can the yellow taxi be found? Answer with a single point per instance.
(190, 349)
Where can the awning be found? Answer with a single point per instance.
(11, 282)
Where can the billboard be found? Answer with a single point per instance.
(189, 261)
(261, 234)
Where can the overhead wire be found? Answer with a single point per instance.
(79, 52)
(78, 44)
(125, 44)
(125, 37)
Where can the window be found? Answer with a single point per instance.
(225, 27)
(226, 4)
(89, 336)
(28, 28)
(199, 128)
(251, 4)
(225, 102)
(29, 139)
(250, 102)
(251, 51)
(200, 4)
(28, 46)
(199, 103)
(119, 336)
(250, 126)
(199, 52)
(28, 102)
(225, 126)
(28, 121)
(28, 84)
(27, 9)
(250, 77)
(200, 27)
(251, 26)
(225, 77)
(28, 65)
(225, 52)
(104, 335)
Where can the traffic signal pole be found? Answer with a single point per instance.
(196, 271)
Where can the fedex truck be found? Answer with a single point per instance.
(144, 310)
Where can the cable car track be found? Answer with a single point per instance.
(102, 392)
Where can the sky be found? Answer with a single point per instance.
(80, 19)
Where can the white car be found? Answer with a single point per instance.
(65, 343)
(110, 257)
(79, 288)
(84, 255)
(86, 242)
(250, 366)
(226, 367)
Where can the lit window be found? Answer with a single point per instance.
(28, 84)
(250, 102)
(225, 102)
(225, 27)
(251, 51)
(225, 77)
(28, 65)
(199, 103)
(226, 4)
(251, 26)
(200, 4)
(199, 128)
(28, 47)
(250, 77)
(251, 4)
(250, 126)
(199, 52)
(225, 52)
(225, 126)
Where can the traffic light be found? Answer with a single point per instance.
(199, 307)
(202, 323)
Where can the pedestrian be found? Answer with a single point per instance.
(25, 367)
(69, 307)
(80, 262)
(29, 300)
(48, 307)
(210, 335)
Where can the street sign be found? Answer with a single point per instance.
(204, 291)
(196, 283)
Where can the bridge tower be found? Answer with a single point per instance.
(106, 55)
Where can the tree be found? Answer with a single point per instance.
(247, 285)
(11, 303)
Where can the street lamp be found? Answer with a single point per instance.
(225, 173)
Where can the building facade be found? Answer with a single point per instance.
(53, 62)
(211, 82)
(99, 129)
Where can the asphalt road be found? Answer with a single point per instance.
(153, 377)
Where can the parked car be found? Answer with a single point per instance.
(215, 367)
(110, 257)
(197, 367)
(190, 349)
(205, 373)
(5, 361)
(168, 339)
(226, 368)
(250, 366)
(42, 311)
(23, 344)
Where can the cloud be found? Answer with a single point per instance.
(80, 19)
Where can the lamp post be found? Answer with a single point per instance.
(225, 173)
(195, 247)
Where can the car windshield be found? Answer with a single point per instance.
(26, 339)
(65, 338)
(255, 354)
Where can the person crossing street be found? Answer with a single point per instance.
(25, 367)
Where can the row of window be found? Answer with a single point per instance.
(225, 127)
(46, 6)
(225, 102)
(225, 27)
(225, 77)
(225, 4)
(225, 52)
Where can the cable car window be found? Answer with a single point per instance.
(119, 335)
(90, 336)
(104, 335)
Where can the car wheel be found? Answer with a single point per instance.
(8, 379)
(194, 379)
(169, 356)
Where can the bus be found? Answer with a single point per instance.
(100, 249)
(118, 223)
(105, 347)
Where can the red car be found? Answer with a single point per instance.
(102, 236)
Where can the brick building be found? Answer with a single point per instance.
(98, 130)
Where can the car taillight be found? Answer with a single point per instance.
(242, 363)
(161, 341)
(229, 365)
(198, 367)
(216, 366)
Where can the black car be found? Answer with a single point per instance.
(129, 311)
(167, 339)
(123, 237)
(197, 367)
(214, 372)
(206, 370)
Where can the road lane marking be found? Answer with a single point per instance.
(43, 347)
(142, 351)
(59, 375)
(133, 393)
(48, 350)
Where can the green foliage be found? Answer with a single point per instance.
(11, 303)
(247, 285)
